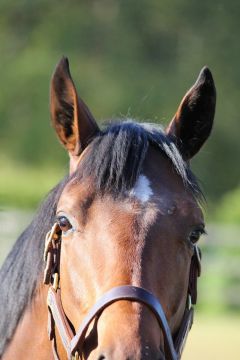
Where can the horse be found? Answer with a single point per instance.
(116, 277)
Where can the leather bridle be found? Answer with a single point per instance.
(73, 341)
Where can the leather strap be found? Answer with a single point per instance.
(56, 309)
(132, 293)
(195, 272)
(74, 343)
(185, 327)
(127, 292)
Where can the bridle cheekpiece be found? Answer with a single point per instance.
(73, 341)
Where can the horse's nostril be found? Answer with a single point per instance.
(101, 357)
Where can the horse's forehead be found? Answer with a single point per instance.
(158, 187)
(146, 196)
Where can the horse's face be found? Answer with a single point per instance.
(142, 237)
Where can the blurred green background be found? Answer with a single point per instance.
(130, 59)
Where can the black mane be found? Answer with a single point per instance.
(116, 157)
(20, 272)
(114, 162)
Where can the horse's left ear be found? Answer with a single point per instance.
(71, 118)
(192, 124)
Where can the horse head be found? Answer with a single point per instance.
(129, 215)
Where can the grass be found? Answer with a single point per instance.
(214, 337)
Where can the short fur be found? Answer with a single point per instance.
(114, 162)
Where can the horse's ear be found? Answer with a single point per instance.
(71, 118)
(192, 124)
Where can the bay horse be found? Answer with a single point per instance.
(120, 267)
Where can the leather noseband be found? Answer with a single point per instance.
(73, 341)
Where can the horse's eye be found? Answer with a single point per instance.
(64, 223)
(195, 235)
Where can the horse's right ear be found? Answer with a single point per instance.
(71, 118)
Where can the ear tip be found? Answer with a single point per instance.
(206, 72)
(62, 66)
(64, 61)
(205, 76)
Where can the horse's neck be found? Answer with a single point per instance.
(30, 340)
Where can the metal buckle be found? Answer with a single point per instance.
(49, 258)
(55, 281)
(76, 356)
(189, 302)
(51, 235)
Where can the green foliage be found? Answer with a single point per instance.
(228, 210)
(134, 58)
(24, 187)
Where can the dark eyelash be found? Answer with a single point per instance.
(202, 229)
